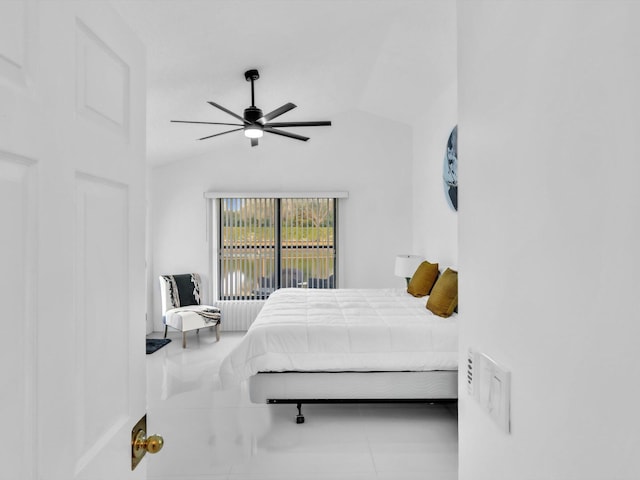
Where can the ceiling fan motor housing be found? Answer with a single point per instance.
(252, 114)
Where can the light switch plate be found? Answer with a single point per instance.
(492, 389)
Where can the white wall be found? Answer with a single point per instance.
(549, 108)
(435, 223)
(368, 156)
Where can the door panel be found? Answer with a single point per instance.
(17, 257)
(16, 40)
(102, 297)
(102, 82)
(72, 196)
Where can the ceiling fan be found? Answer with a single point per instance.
(254, 123)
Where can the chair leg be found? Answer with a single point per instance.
(218, 332)
(184, 339)
(165, 331)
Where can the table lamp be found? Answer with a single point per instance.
(406, 266)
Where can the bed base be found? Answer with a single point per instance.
(440, 386)
(299, 402)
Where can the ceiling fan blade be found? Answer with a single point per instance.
(208, 123)
(218, 134)
(286, 134)
(254, 142)
(229, 112)
(277, 112)
(319, 123)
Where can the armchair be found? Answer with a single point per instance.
(182, 308)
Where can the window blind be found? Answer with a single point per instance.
(270, 243)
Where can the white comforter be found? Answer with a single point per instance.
(343, 330)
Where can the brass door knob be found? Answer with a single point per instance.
(154, 443)
(143, 444)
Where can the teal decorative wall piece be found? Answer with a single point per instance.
(450, 170)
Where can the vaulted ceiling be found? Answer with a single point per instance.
(391, 58)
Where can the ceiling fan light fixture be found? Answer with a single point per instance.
(254, 123)
(253, 131)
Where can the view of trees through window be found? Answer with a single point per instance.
(269, 243)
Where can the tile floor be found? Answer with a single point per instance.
(215, 434)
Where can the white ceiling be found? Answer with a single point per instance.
(391, 58)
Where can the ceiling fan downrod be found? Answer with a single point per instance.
(251, 76)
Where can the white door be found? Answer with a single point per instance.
(72, 194)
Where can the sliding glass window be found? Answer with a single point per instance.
(270, 243)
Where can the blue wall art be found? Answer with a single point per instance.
(450, 170)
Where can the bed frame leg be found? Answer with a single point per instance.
(299, 417)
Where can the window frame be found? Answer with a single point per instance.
(214, 200)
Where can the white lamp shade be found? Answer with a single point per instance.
(406, 265)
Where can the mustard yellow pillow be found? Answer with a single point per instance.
(444, 295)
(423, 279)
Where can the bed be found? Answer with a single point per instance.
(346, 345)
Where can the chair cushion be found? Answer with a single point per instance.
(183, 289)
(188, 318)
